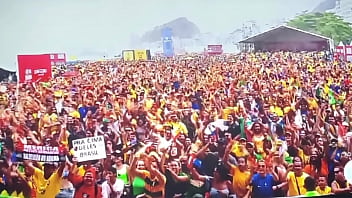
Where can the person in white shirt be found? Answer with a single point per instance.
(112, 187)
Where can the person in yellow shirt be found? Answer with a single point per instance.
(295, 179)
(241, 176)
(178, 127)
(50, 120)
(323, 188)
(46, 182)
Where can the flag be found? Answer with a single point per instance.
(241, 122)
(331, 97)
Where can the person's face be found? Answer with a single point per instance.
(111, 175)
(241, 163)
(175, 167)
(174, 118)
(302, 134)
(228, 136)
(168, 106)
(230, 118)
(69, 120)
(314, 156)
(339, 174)
(250, 148)
(322, 182)
(27, 171)
(132, 136)
(49, 169)
(275, 118)
(154, 164)
(140, 122)
(297, 166)
(261, 168)
(257, 128)
(30, 117)
(331, 120)
(211, 118)
(118, 160)
(108, 143)
(7, 152)
(289, 139)
(320, 141)
(168, 134)
(88, 179)
(243, 143)
(188, 142)
(140, 165)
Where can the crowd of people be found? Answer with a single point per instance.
(246, 125)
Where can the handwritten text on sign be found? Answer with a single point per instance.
(91, 148)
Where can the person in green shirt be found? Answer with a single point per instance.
(310, 185)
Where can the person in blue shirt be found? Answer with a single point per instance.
(263, 183)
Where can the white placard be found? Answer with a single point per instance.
(92, 148)
(348, 172)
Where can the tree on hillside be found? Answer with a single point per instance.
(326, 24)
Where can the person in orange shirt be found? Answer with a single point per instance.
(316, 166)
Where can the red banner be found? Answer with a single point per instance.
(34, 68)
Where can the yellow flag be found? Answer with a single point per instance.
(21, 195)
(14, 194)
(4, 193)
(72, 58)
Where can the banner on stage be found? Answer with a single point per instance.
(215, 49)
(128, 55)
(140, 55)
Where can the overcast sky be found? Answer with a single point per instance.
(85, 27)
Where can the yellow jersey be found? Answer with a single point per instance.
(296, 184)
(240, 181)
(46, 187)
(325, 191)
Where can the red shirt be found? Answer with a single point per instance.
(84, 191)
